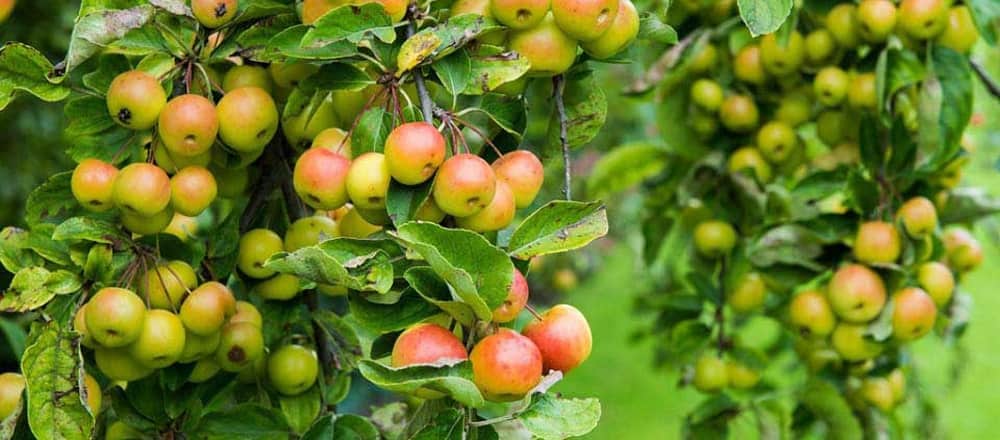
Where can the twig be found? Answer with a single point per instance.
(559, 86)
(659, 69)
(985, 77)
(426, 105)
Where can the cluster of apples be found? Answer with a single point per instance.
(506, 365)
(479, 196)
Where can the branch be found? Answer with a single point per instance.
(426, 105)
(659, 69)
(559, 86)
(985, 77)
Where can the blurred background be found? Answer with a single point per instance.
(639, 401)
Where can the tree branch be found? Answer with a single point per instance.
(659, 69)
(985, 77)
(426, 105)
(558, 87)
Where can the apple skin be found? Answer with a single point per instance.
(520, 14)
(739, 114)
(465, 184)
(292, 369)
(918, 216)
(333, 139)
(622, 33)
(192, 191)
(413, 152)
(782, 59)
(714, 238)
(6, 8)
(248, 313)
(11, 388)
(562, 336)
(877, 242)
(147, 225)
(897, 380)
(355, 226)
(876, 19)
(777, 141)
(962, 250)
(877, 391)
(115, 317)
(585, 20)
(241, 344)
(141, 188)
(923, 19)
(247, 76)
(937, 280)
(506, 366)
(188, 125)
(135, 99)
(172, 163)
(710, 374)
(830, 86)
(707, 94)
(517, 298)
(309, 231)
(495, 216)
(92, 389)
(913, 314)
(748, 67)
(214, 13)
(281, 287)
(748, 294)
(850, 342)
(255, 247)
(92, 184)
(842, 21)
(320, 178)
(301, 124)
(118, 365)
(427, 344)
(961, 32)
(205, 369)
(198, 347)
(862, 93)
(740, 376)
(205, 310)
(810, 313)
(820, 47)
(749, 159)
(523, 173)
(161, 340)
(80, 327)
(856, 293)
(248, 119)
(368, 181)
(704, 60)
(549, 50)
(167, 285)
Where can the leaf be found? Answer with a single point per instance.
(435, 291)
(89, 229)
(93, 134)
(176, 7)
(553, 418)
(479, 273)
(14, 251)
(384, 318)
(586, 111)
(773, 419)
(986, 14)
(98, 28)
(968, 204)
(23, 68)
(14, 336)
(336, 76)
(955, 77)
(300, 410)
(358, 264)
(352, 24)
(492, 68)
(786, 244)
(373, 128)
(625, 166)
(253, 9)
(52, 201)
(447, 425)
(53, 371)
(653, 29)
(244, 421)
(506, 111)
(345, 426)
(439, 41)
(764, 16)
(34, 287)
(827, 403)
(454, 380)
(287, 44)
(895, 69)
(342, 339)
(559, 226)
(454, 71)
(404, 201)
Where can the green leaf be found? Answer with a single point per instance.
(447, 425)
(478, 272)
(287, 44)
(15, 337)
(384, 318)
(764, 16)
(452, 380)
(653, 29)
(342, 339)
(454, 71)
(254, 9)
(352, 24)
(93, 134)
(89, 229)
(373, 128)
(586, 111)
(15, 254)
(300, 410)
(827, 403)
(955, 77)
(435, 291)
(508, 112)
(786, 244)
(345, 426)
(896, 68)
(337, 76)
(559, 226)
(968, 204)
(358, 264)
(404, 201)
(440, 41)
(243, 421)
(553, 418)
(52, 201)
(53, 370)
(625, 166)
(23, 68)
(492, 68)
(986, 14)
(774, 420)
(98, 28)
(34, 287)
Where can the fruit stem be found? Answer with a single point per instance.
(559, 86)
(533, 311)
(426, 105)
(985, 77)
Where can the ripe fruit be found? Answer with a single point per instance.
(714, 238)
(506, 366)
(192, 190)
(830, 86)
(6, 8)
(11, 389)
(205, 310)
(256, 247)
(280, 287)
(862, 93)
(92, 389)
(545, 46)
(856, 293)
(749, 159)
(877, 391)
(465, 184)
(166, 285)
(80, 327)
(171, 163)
(495, 216)
(247, 76)
(117, 364)
(246, 312)
(309, 231)
(961, 32)
(115, 317)
(584, 20)
(937, 280)
(292, 369)
(741, 376)
(368, 181)
(777, 141)
(519, 14)
(747, 65)
(898, 383)
(962, 250)
(355, 226)
(248, 119)
(852, 343)
(739, 114)
(913, 314)
(876, 19)
(517, 298)
(413, 151)
(240, 345)
(205, 369)
(147, 225)
(820, 47)
(333, 139)
(710, 374)
(214, 13)
(810, 313)
(918, 216)
(302, 124)
(707, 94)
(161, 340)
(748, 294)
(92, 184)
(427, 344)
(877, 242)
(923, 19)
(523, 173)
(135, 99)
(623, 31)
(782, 59)
(563, 337)
(141, 188)
(320, 178)
(188, 125)
(842, 22)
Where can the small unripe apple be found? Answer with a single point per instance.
(205, 369)
(413, 152)
(710, 374)
(739, 114)
(11, 389)
(498, 214)
(876, 19)
(741, 376)
(255, 248)
(355, 226)
(247, 76)
(623, 31)
(302, 124)
(523, 173)
(135, 99)
(810, 313)
(877, 391)
(519, 14)
(430, 212)
(506, 366)
(820, 47)
(831, 126)
(563, 337)
(517, 298)
(961, 32)
(545, 46)
(747, 65)
(368, 181)
(197, 347)
(852, 343)
(913, 314)
(465, 184)
(334, 139)
(842, 22)
(188, 125)
(918, 216)
(248, 119)
(585, 20)
(937, 280)
(565, 280)
(320, 178)
(92, 184)
(192, 190)
(147, 225)
(862, 93)
(923, 19)
(707, 94)
(704, 60)
(240, 345)
(118, 365)
(214, 13)
(877, 242)
(748, 294)
(749, 159)
(777, 141)
(288, 75)
(714, 238)
(6, 8)
(898, 383)
(309, 231)
(166, 285)
(161, 340)
(115, 317)
(141, 188)
(172, 163)
(80, 327)
(206, 309)
(427, 344)
(780, 59)
(248, 313)
(292, 369)
(830, 85)
(281, 287)
(856, 293)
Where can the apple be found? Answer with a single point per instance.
(741, 376)
(118, 365)
(161, 340)
(368, 181)
(747, 65)
(563, 337)
(506, 366)
(192, 190)
(465, 184)
(519, 14)
(205, 310)
(309, 231)
(937, 280)
(748, 294)
(188, 125)
(877, 242)
(11, 388)
(810, 313)
(856, 293)
(334, 139)
(876, 19)
(830, 86)
(739, 114)
(355, 226)
(248, 119)
(214, 13)
(255, 247)
(135, 99)
(320, 178)
(852, 343)
(147, 225)
(498, 214)
(166, 285)
(961, 32)
(241, 344)
(142, 189)
(820, 47)
(247, 313)
(92, 184)
(707, 94)
(842, 22)
(862, 93)
(292, 369)
(80, 327)
(918, 216)
(714, 238)
(913, 314)
(517, 298)
(877, 391)
(413, 152)
(623, 32)
(427, 344)
(549, 50)
(247, 76)
(749, 159)
(780, 59)
(290, 74)
(197, 347)
(204, 370)
(523, 173)
(923, 19)
(281, 287)
(710, 374)
(777, 141)
(115, 317)
(585, 20)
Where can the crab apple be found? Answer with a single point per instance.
(11, 389)
(777, 141)
(707, 94)
(622, 32)
(147, 224)
(714, 238)
(779, 58)
(320, 178)
(876, 19)
(248, 119)
(281, 287)
(517, 298)
(877, 392)
(831, 126)
(861, 93)
(520, 14)
(290, 74)
(585, 20)
(427, 344)
(309, 231)
(192, 190)
(247, 76)
(820, 47)
(141, 188)
(368, 181)
(464, 185)
(506, 366)
(172, 163)
(703, 124)
(747, 65)
(913, 314)
(248, 313)
(749, 159)
(741, 376)
(877, 242)
(545, 46)
(498, 214)
(429, 212)
(115, 317)
(92, 389)
(255, 247)
(710, 374)
(810, 313)
(302, 125)
(563, 337)
(166, 285)
(523, 173)
(206, 309)
(704, 60)
(923, 19)
(482, 8)
(240, 345)
(355, 226)
(6, 8)
(748, 294)
(937, 280)
(214, 13)
(161, 340)
(204, 369)
(292, 369)
(198, 347)
(334, 139)
(842, 22)
(897, 380)
(413, 151)
(961, 33)
(377, 216)
(830, 86)
(739, 113)
(118, 365)
(92, 184)
(856, 293)
(918, 216)
(135, 99)
(188, 125)
(852, 343)
(80, 327)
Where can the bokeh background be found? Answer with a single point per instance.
(639, 401)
